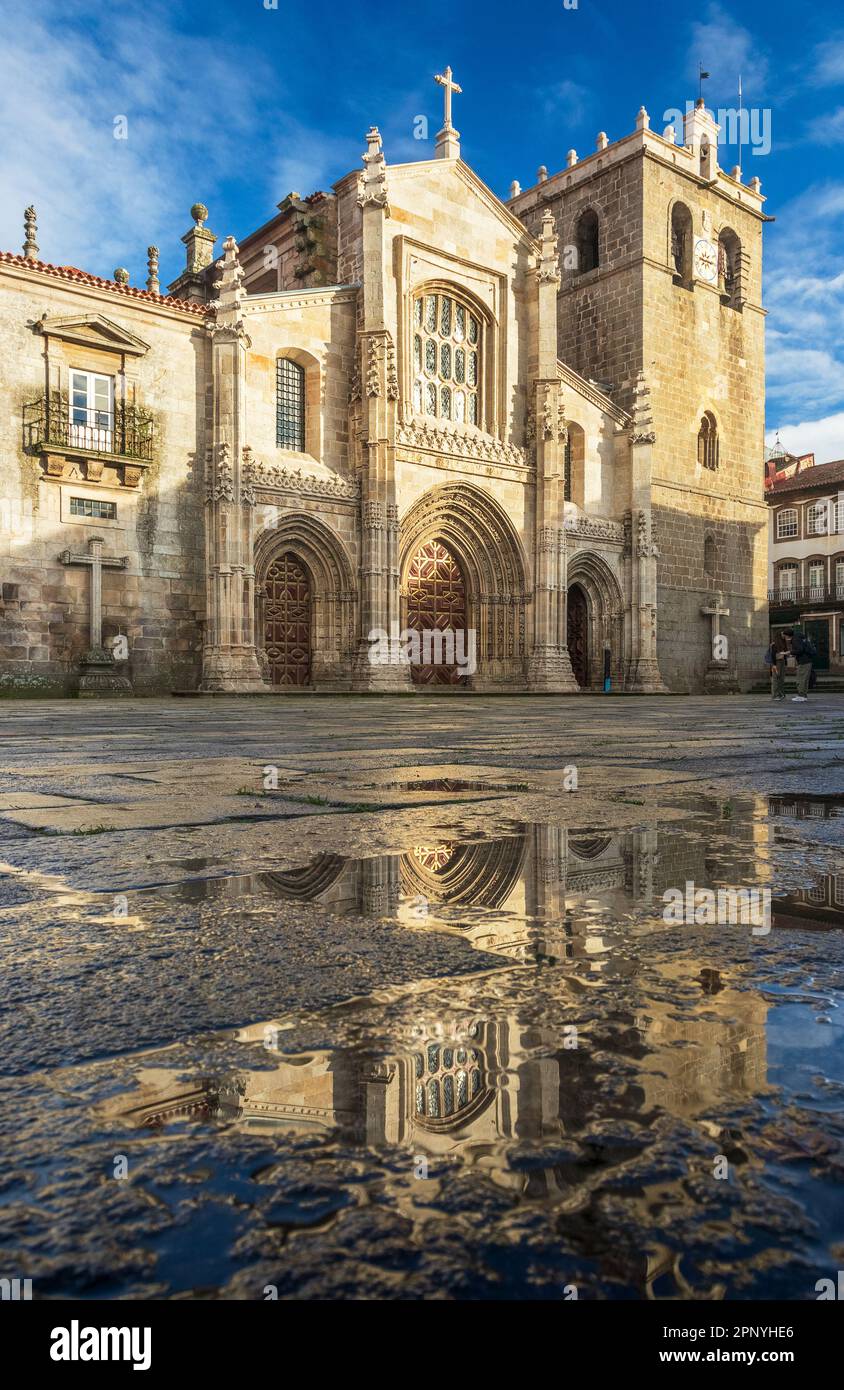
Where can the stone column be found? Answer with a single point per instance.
(230, 660)
(380, 614)
(643, 675)
(549, 666)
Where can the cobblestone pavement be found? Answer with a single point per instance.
(384, 998)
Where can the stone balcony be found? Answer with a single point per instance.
(109, 446)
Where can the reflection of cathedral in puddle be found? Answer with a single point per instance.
(513, 895)
(476, 1089)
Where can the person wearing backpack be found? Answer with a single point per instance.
(804, 653)
(775, 658)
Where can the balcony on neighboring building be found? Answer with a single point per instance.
(808, 594)
(114, 445)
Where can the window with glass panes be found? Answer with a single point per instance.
(786, 523)
(817, 518)
(91, 409)
(289, 405)
(787, 578)
(446, 359)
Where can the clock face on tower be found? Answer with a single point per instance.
(706, 261)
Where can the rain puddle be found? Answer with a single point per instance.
(473, 1067)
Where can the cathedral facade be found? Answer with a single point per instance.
(404, 435)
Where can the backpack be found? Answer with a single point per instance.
(809, 649)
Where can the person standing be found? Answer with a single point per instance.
(802, 651)
(775, 659)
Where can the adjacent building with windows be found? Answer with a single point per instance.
(806, 554)
(403, 404)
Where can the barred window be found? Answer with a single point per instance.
(290, 405)
(446, 359)
(93, 507)
(786, 523)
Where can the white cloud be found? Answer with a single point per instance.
(823, 437)
(198, 116)
(827, 129)
(804, 295)
(567, 101)
(828, 65)
(725, 48)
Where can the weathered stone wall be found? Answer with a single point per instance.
(698, 354)
(705, 356)
(158, 601)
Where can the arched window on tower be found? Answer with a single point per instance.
(707, 442)
(447, 365)
(681, 243)
(289, 405)
(729, 268)
(710, 556)
(586, 241)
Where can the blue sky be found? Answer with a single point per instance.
(234, 103)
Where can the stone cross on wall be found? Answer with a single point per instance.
(719, 679)
(98, 676)
(719, 642)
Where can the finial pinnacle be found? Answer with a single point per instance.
(153, 284)
(30, 227)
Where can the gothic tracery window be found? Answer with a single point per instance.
(289, 405)
(448, 1079)
(707, 442)
(446, 359)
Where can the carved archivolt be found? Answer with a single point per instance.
(333, 589)
(602, 587)
(479, 534)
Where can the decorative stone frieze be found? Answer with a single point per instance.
(277, 477)
(447, 439)
(595, 528)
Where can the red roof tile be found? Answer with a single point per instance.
(819, 475)
(83, 277)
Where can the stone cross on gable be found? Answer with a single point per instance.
(446, 80)
(95, 559)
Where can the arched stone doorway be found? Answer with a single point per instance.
(305, 606)
(287, 620)
(477, 533)
(578, 634)
(595, 621)
(436, 602)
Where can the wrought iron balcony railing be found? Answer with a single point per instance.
(808, 593)
(50, 422)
